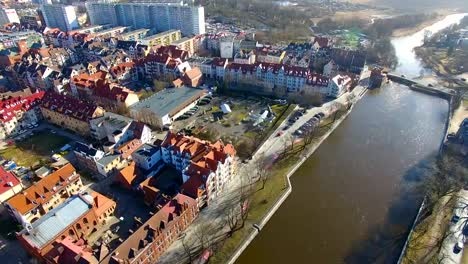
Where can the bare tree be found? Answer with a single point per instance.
(231, 218)
(261, 171)
(187, 248)
(204, 234)
(245, 196)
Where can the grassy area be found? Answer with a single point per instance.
(444, 62)
(427, 234)
(34, 150)
(263, 199)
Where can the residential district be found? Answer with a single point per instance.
(104, 154)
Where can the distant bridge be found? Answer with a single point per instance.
(440, 91)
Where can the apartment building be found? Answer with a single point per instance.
(10, 186)
(134, 35)
(187, 44)
(60, 16)
(101, 13)
(69, 112)
(77, 217)
(190, 20)
(96, 88)
(87, 156)
(206, 167)
(8, 15)
(110, 164)
(43, 196)
(117, 130)
(164, 38)
(147, 156)
(339, 85)
(17, 113)
(152, 238)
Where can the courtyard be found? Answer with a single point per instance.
(248, 120)
(35, 149)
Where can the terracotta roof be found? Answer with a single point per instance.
(177, 82)
(71, 252)
(41, 191)
(128, 174)
(122, 67)
(321, 41)
(194, 73)
(101, 203)
(204, 158)
(87, 80)
(129, 147)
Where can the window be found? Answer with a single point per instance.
(85, 220)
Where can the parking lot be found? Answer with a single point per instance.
(244, 119)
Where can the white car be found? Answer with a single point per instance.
(56, 157)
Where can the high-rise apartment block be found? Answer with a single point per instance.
(190, 20)
(60, 16)
(8, 16)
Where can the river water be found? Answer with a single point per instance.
(351, 202)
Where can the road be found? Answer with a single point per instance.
(210, 219)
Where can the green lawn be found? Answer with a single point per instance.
(263, 199)
(261, 202)
(35, 149)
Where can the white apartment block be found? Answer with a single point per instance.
(101, 13)
(8, 16)
(190, 20)
(60, 16)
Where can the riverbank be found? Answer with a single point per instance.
(403, 32)
(278, 189)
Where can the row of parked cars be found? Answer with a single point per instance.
(310, 124)
(20, 171)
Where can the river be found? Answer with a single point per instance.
(351, 201)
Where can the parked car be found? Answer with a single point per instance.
(280, 134)
(56, 157)
(455, 219)
(285, 128)
(458, 247)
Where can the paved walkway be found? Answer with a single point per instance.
(212, 215)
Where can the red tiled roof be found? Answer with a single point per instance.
(173, 52)
(71, 252)
(43, 190)
(122, 67)
(7, 180)
(220, 62)
(87, 80)
(205, 157)
(321, 41)
(8, 107)
(111, 92)
(68, 105)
